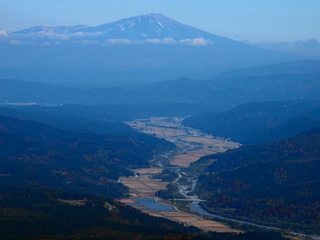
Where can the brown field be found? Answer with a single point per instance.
(205, 140)
(161, 121)
(208, 225)
(160, 131)
(147, 187)
(185, 218)
(168, 132)
(174, 214)
(184, 160)
(292, 237)
(127, 201)
(148, 170)
(208, 140)
(188, 220)
(143, 186)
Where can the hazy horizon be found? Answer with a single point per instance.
(263, 21)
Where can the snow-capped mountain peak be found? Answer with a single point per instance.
(149, 28)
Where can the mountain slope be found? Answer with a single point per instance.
(259, 122)
(151, 28)
(42, 213)
(45, 213)
(274, 183)
(37, 154)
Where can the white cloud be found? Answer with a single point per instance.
(54, 35)
(161, 41)
(196, 42)
(87, 34)
(4, 33)
(118, 41)
(51, 38)
(154, 40)
(168, 41)
(16, 42)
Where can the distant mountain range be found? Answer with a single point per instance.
(143, 48)
(278, 82)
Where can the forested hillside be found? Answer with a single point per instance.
(36, 154)
(275, 183)
(40, 213)
(259, 122)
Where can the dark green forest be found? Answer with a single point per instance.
(33, 153)
(275, 184)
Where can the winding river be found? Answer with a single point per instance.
(191, 145)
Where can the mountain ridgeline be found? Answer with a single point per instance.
(144, 48)
(260, 122)
(154, 26)
(222, 92)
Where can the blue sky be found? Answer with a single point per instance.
(247, 20)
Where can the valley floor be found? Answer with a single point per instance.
(191, 145)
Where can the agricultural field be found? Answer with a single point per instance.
(191, 146)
